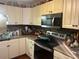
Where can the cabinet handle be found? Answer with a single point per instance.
(50, 11)
(75, 25)
(8, 45)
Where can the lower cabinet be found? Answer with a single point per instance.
(14, 48)
(4, 50)
(30, 48)
(58, 55)
(21, 46)
(27, 46)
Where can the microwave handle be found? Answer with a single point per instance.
(53, 20)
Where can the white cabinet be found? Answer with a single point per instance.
(55, 6)
(18, 15)
(21, 46)
(58, 55)
(9, 49)
(14, 15)
(36, 16)
(14, 48)
(27, 16)
(47, 8)
(11, 14)
(71, 14)
(30, 48)
(3, 9)
(27, 46)
(75, 14)
(4, 50)
(58, 6)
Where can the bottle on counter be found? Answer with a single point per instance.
(75, 42)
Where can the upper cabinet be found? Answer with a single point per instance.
(71, 14)
(19, 15)
(27, 16)
(46, 8)
(14, 15)
(58, 6)
(3, 9)
(36, 16)
(55, 6)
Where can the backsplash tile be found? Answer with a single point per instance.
(35, 28)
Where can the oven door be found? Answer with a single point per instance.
(40, 53)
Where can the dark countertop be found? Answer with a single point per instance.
(62, 49)
(73, 51)
(33, 37)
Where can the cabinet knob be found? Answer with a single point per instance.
(75, 25)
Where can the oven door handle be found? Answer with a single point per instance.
(43, 47)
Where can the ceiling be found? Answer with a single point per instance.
(23, 3)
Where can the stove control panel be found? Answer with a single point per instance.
(56, 34)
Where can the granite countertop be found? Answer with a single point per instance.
(33, 37)
(73, 51)
(60, 48)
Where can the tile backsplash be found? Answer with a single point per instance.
(34, 28)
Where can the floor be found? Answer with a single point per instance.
(22, 57)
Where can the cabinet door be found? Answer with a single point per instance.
(14, 15)
(22, 46)
(14, 48)
(67, 14)
(27, 15)
(75, 14)
(27, 46)
(3, 9)
(4, 50)
(18, 15)
(43, 9)
(47, 8)
(31, 48)
(11, 14)
(36, 16)
(58, 6)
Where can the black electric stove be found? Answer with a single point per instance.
(49, 41)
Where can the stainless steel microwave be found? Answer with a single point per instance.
(52, 20)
